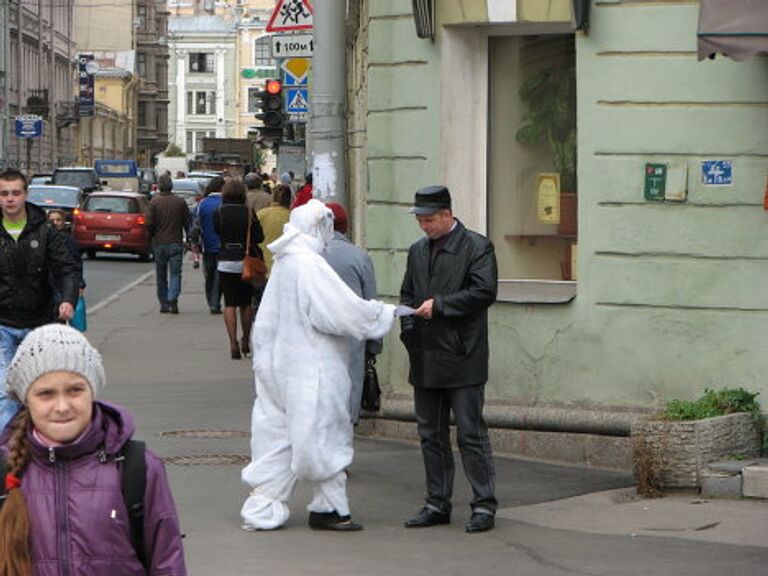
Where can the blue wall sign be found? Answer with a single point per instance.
(29, 126)
(717, 172)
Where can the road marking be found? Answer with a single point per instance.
(107, 301)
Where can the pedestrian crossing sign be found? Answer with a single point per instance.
(290, 15)
(297, 100)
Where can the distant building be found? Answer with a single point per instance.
(128, 42)
(35, 79)
(151, 23)
(251, 63)
(202, 80)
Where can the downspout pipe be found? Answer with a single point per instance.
(540, 419)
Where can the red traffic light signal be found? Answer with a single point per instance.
(270, 105)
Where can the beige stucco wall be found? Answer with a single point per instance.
(101, 26)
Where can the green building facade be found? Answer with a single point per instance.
(649, 298)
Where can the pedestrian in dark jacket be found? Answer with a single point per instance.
(209, 240)
(64, 512)
(450, 280)
(58, 219)
(32, 253)
(169, 223)
(231, 222)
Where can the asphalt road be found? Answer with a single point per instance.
(109, 273)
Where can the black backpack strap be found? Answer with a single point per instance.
(133, 482)
(3, 494)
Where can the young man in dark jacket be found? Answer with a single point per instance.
(169, 223)
(31, 252)
(450, 280)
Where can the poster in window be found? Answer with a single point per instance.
(548, 205)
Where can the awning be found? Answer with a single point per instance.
(736, 28)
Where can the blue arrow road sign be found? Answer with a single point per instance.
(29, 126)
(297, 100)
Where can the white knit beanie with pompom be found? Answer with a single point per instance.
(50, 348)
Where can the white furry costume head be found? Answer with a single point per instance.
(309, 225)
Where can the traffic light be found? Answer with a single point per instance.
(270, 104)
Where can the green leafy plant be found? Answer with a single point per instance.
(551, 117)
(713, 403)
(174, 151)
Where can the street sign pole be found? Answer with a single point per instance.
(327, 99)
(30, 143)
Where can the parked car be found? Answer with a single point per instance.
(84, 178)
(40, 179)
(113, 222)
(190, 190)
(65, 198)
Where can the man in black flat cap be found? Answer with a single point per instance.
(450, 281)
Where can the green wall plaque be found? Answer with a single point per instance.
(655, 181)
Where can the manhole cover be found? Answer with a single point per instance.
(205, 434)
(208, 460)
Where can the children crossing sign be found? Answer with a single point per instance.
(290, 15)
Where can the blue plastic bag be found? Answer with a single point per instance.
(79, 321)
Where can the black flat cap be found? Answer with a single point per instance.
(430, 199)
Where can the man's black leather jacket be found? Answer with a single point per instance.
(451, 349)
(26, 268)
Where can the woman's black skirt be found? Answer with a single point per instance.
(236, 292)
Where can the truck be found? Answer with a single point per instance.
(122, 175)
(171, 164)
(232, 156)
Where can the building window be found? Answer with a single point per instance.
(201, 102)
(141, 64)
(190, 142)
(262, 52)
(532, 187)
(142, 113)
(141, 17)
(253, 100)
(201, 62)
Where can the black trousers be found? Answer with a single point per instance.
(433, 410)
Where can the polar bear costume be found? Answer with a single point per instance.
(300, 340)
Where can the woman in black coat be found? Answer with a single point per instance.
(231, 224)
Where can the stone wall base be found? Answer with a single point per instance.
(612, 452)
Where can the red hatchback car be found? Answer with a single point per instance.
(113, 222)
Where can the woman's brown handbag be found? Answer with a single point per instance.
(254, 268)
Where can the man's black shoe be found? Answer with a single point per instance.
(480, 522)
(428, 517)
(174, 305)
(332, 521)
(164, 310)
(215, 310)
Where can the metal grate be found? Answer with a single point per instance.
(206, 433)
(207, 460)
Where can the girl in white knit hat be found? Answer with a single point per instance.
(63, 510)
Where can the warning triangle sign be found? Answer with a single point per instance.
(290, 15)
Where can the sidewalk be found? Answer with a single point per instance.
(192, 405)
